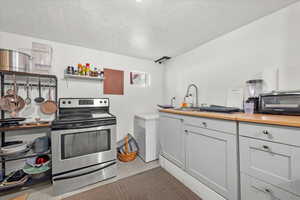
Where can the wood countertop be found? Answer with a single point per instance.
(201, 114)
(282, 120)
(25, 126)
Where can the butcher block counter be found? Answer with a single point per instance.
(25, 126)
(282, 120)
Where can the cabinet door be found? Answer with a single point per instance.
(211, 157)
(273, 163)
(172, 139)
(254, 189)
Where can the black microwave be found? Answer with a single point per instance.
(280, 102)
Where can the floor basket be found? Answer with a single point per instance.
(127, 156)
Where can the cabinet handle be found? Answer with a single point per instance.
(186, 131)
(204, 124)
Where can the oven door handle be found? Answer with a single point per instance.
(93, 126)
(89, 126)
(83, 174)
(86, 128)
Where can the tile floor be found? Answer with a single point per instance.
(44, 191)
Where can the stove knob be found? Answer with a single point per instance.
(100, 101)
(105, 102)
(64, 102)
(69, 102)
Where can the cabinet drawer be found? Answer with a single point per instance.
(213, 124)
(280, 134)
(254, 189)
(274, 163)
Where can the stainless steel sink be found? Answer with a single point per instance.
(188, 109)
(211, 108)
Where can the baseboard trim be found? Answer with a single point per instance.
(193, 184)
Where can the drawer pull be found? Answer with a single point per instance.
(266, 190)
(270, 192)
(266, 147)
(266, 132)
(204, 124)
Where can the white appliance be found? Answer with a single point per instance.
(145, 132)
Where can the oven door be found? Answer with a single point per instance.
(78, 148)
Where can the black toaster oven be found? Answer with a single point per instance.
(280, 102)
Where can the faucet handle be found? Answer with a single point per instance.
(172, 101)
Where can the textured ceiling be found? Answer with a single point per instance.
(147, 29)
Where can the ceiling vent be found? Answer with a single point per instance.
(162, 59)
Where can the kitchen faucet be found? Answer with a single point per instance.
(188, 92)
(172, 101)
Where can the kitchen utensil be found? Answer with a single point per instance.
(38, 161)
(12, 149)
(10, 91)
(12, 60)
(41, 144)
(12, 102)
(49, 106)
(39, 122)
(11, 121)
(37, 167)
(165, 106)
(39, 99)
(14, 179)
(12, 143)
(17, 102)
(4, 103)
(27, 100)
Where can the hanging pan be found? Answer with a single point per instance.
(49, 107)
(12, 102)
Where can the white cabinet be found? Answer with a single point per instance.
(254, 189)
(171, 138)
(272, 133)
(205, 148)
(145, 132)
(211, 157)
(269, 154)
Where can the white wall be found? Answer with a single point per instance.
(249, 52)
(135, 99)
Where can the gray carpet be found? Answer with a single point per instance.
(155, 184)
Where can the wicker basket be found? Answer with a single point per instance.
(127, 156)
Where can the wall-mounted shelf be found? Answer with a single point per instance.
(67, 76)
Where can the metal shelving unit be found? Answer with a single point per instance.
(5, 80)
(20, 156)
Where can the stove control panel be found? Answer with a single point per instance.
(83, 102)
